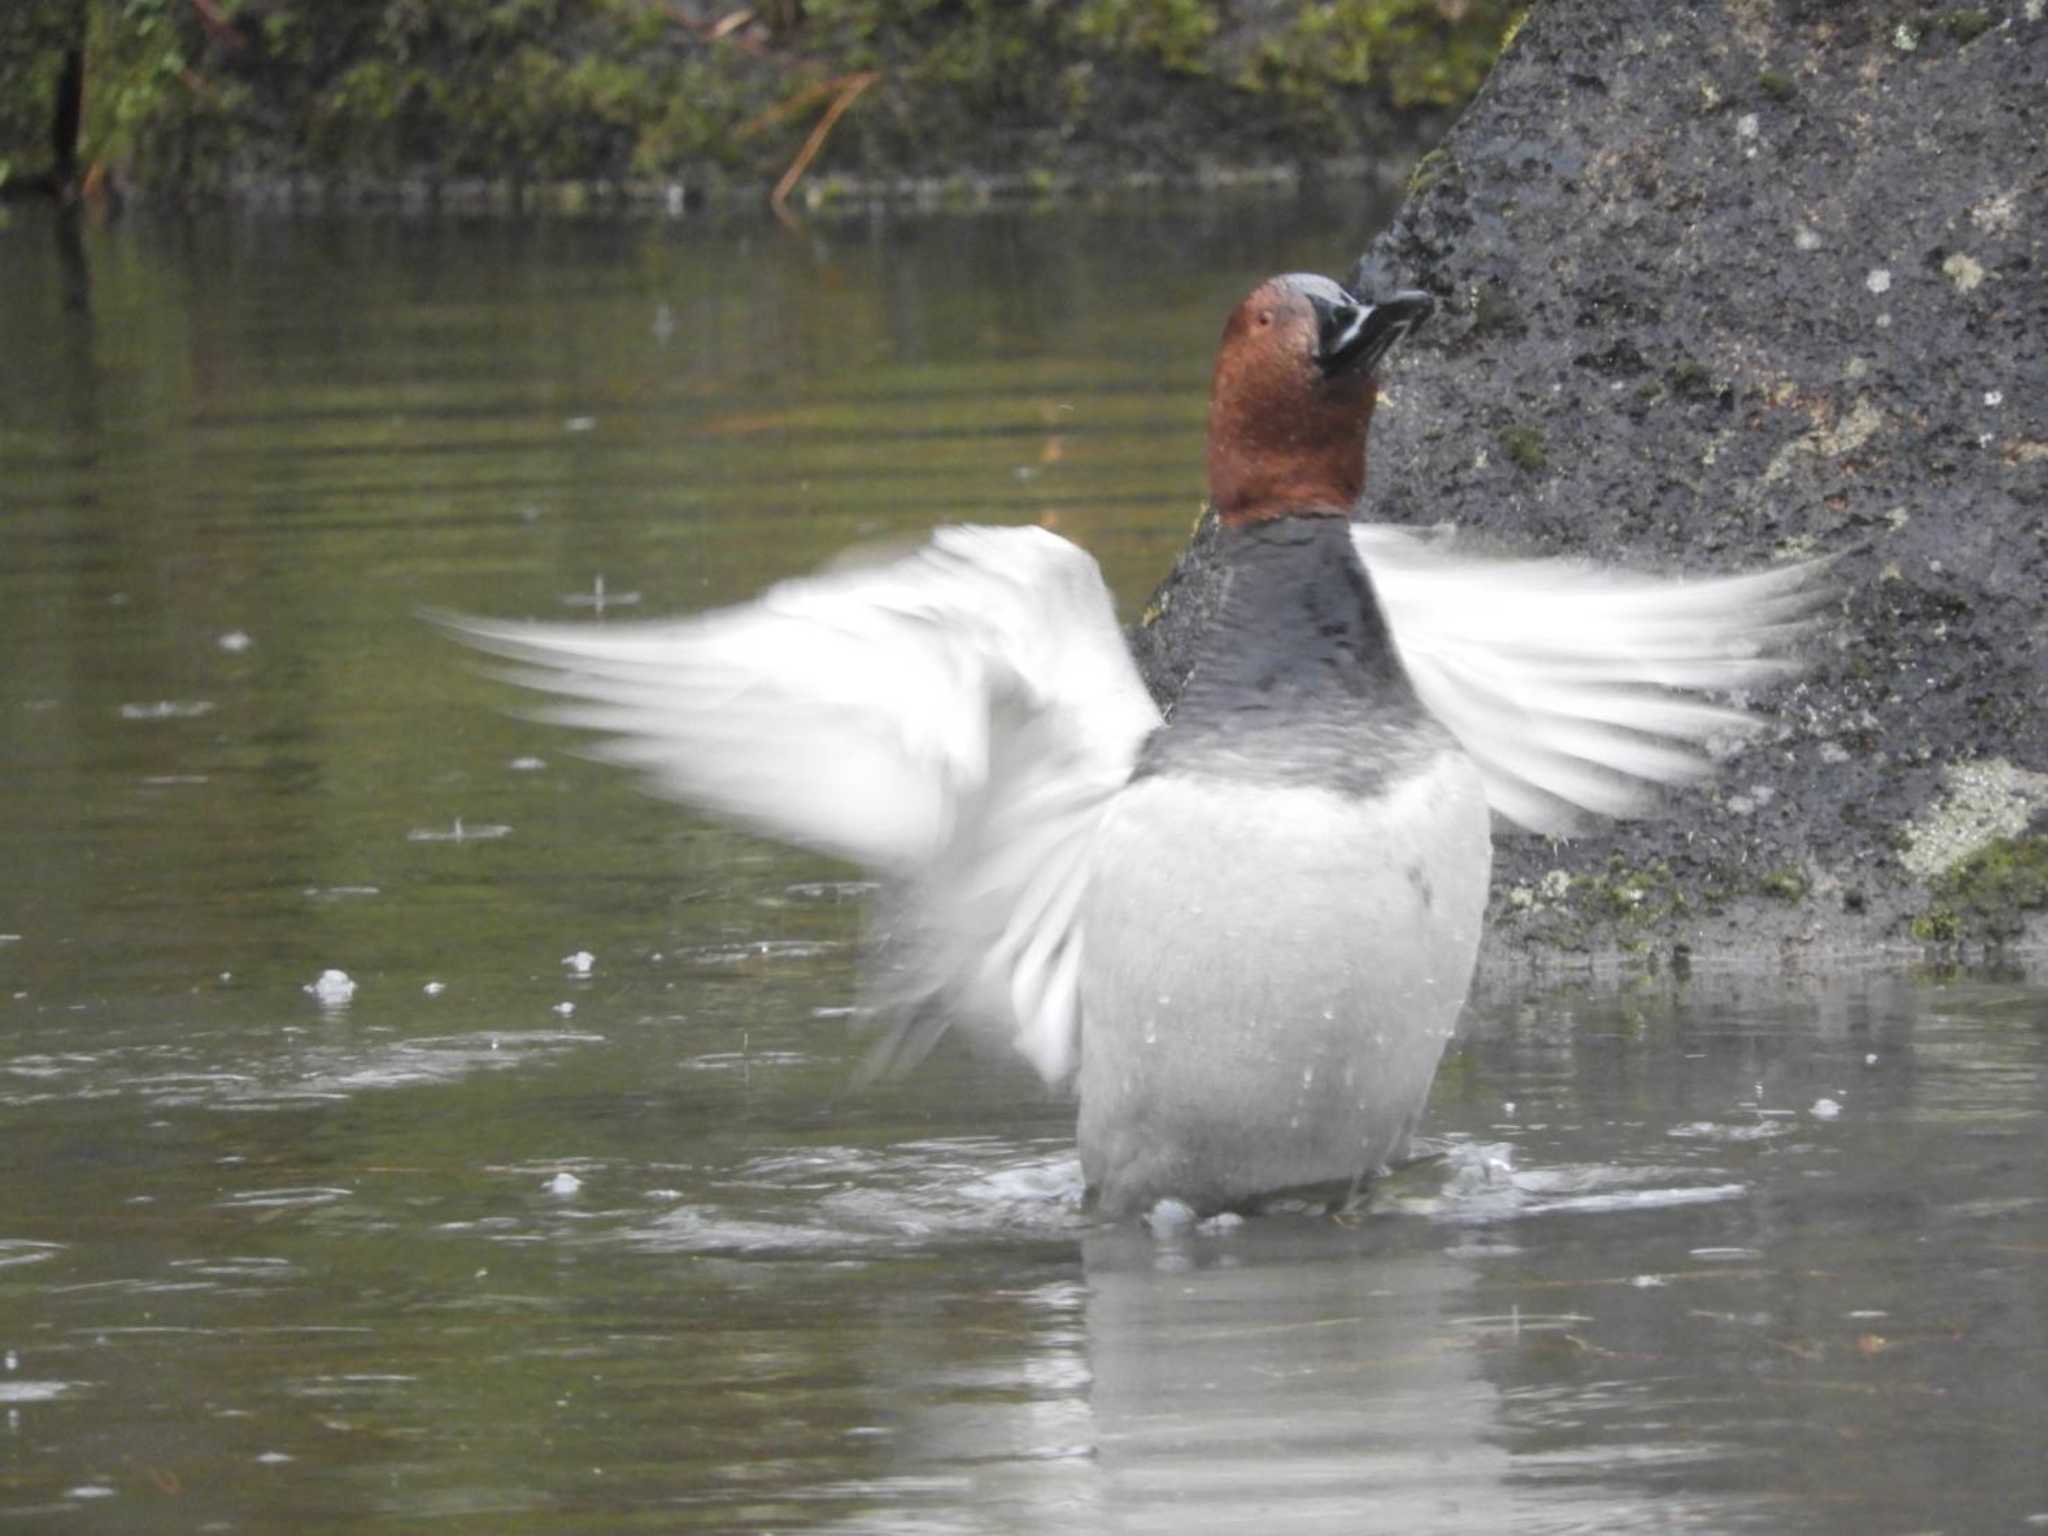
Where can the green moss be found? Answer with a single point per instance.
(1937, 925)
(1632, 907)
(1966, 24)
(1777, 85)
(1690, 380)
(1786, 884)
(1524, 448)
(1429, 170)
(1420, 52)
(1631, 897)
(1174, 32)
(1985, 896)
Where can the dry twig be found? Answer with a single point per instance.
(850, 87)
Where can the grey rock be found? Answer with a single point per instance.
(1730, 283)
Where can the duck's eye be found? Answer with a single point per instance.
(1265, 317)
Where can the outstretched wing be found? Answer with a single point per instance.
(1577, 689)
(954, 720)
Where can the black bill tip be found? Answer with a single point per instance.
(1355, 335)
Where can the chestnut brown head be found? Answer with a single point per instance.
(1295, 383)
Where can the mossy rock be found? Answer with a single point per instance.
(1525, 449)
(1785, 885)
(1985, 897)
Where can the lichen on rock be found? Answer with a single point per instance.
(1985, 802)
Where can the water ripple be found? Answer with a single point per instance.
(841, 1198)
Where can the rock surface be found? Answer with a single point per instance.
(1732, 283)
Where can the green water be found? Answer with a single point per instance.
(501, 1247)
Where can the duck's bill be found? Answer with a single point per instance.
(1356, 336)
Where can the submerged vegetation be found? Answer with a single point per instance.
(189, 96)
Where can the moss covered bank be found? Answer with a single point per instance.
(196, 98)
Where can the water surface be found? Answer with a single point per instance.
(508, 1241)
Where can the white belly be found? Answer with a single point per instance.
(1268, 979)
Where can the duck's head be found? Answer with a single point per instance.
(1296, 379)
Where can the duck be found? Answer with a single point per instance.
(1240, 929)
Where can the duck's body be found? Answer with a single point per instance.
(1284, 905)
(1245, 933)
(1276, 1030)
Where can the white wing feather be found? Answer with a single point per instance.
(955, 720)
(1576, 689)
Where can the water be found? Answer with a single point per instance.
(611, 1245)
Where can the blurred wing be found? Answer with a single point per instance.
(1576, 689)
(954, 720)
